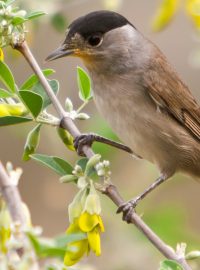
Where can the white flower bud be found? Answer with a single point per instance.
(21, 13)
(68, 105)
(82, 116)
(193, 255)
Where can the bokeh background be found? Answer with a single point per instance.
(173, 209)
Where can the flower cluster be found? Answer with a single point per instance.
(84, 216)
(11, 24)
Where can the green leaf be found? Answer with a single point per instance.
(32, 142)
(33, 101)
(84, 84)
(34, 14)
(38, 88)
(66, 138)
(59, 22)
(170, 265)
(33, 79)
(82, 162)
(5, 94)
(18, 20)
(46, 247)
(6, 77)
(9, 2)
(57, 164)
(164, 14)
(63, 240)
(12, 120)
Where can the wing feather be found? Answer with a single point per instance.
(172, 95)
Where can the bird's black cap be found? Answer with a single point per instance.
(97, 22)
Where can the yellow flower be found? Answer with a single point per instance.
(92, 225)
(12, 110)
(193, 9)
(1, 55)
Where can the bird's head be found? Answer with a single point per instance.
(96, 36)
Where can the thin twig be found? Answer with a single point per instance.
(111, 191)
(13, 201)
(11, 196)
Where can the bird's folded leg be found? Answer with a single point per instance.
(128, 207)
(89, 138)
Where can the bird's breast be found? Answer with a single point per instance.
(129, 111)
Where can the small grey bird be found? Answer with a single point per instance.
(138, 93)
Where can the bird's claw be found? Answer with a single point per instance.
(82, 140)
(127, 209)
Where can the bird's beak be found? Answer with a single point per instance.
(60, 52)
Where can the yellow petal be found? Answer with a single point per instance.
(101, 226)
(1, 55)
(164, 14)
(15, 110)
(73, 228)
(94, 241)
(75, 252)
(87, 222)
(193, 9)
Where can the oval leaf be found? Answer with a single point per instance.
(57, 164)
(170, 265)
(33, 101)
(33, 79)
(38, 88)
(34, 14)
(6, 77)
(84, 84)
(13, 120)
(5, 94)
(66, 138)
(32, 142)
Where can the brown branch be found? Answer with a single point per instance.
(111, 191)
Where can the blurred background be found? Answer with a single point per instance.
(172, 211)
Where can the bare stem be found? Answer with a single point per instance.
(11, 196)
(111, 191)
(13, 200)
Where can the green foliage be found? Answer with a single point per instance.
(38, 89)
(32, 101)
(13, 120)
(170, 265)
(47, 248)
(33, 79)
(84, 84)
(32, 142)
(5, 94)
(6, 77)
(59, 22)
(57, 164)
(34, 14)
(66, 138)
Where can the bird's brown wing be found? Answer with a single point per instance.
(172, 95)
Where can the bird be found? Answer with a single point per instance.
(139, 94)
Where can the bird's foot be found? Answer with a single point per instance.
(127, 209)
(82, 140)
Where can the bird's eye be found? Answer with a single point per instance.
(95, 40)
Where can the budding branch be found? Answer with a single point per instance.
(110, 190)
